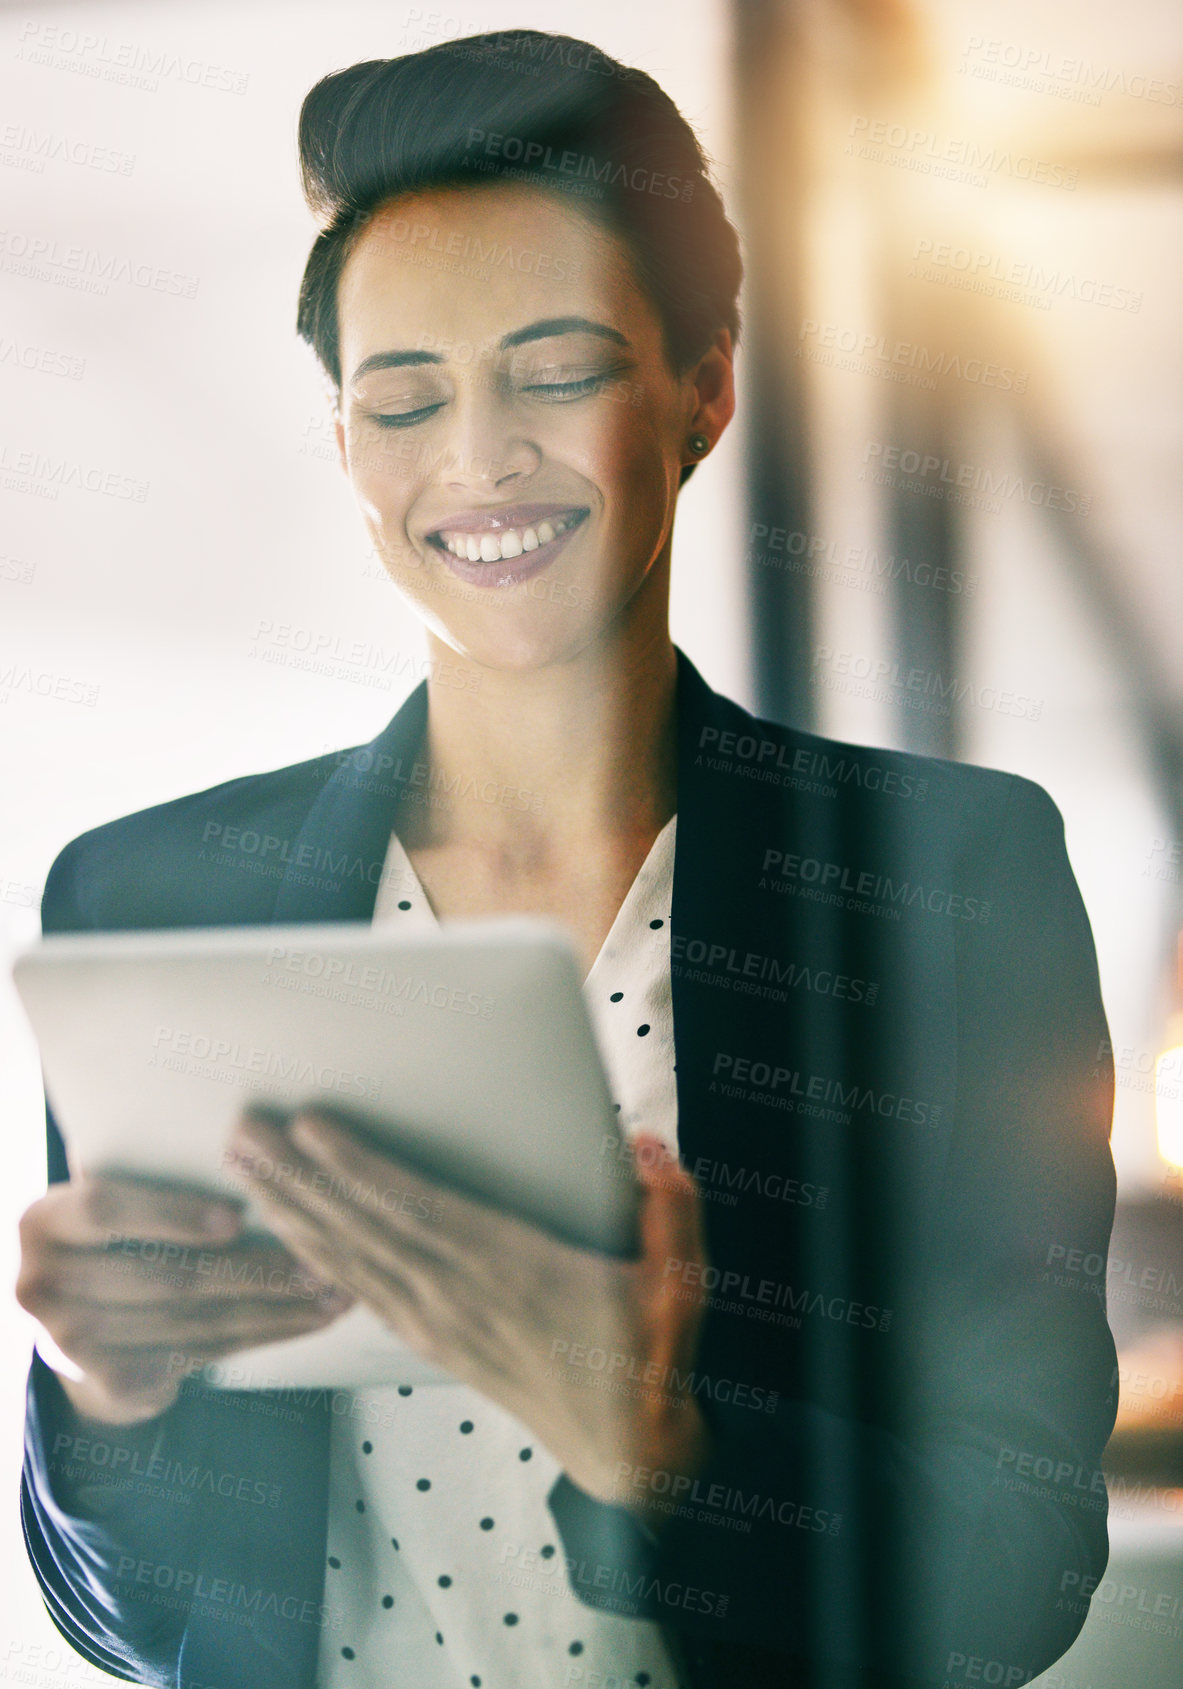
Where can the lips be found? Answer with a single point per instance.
(492, 536)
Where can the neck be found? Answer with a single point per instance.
(543, 762)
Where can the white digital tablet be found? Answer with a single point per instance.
(469, 1048)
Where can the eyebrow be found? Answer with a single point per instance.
(561, 325)
(546, 329)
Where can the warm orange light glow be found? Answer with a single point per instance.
(1168, 1105)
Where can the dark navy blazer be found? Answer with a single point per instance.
(894, 1091)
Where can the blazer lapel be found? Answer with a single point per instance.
(333, 872)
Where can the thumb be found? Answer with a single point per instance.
(671, 1215)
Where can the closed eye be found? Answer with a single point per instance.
(568, 389)
(404, 419)
(552, 391)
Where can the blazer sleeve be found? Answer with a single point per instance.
(153, 1544)
(972, 1531)
(82, 1522)
(87, 1530)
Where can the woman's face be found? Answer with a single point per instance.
(510, 425)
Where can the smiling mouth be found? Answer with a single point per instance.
(495, 547)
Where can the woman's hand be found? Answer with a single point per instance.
(139, 1284)
(586, 1350)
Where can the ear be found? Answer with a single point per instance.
(712, 395)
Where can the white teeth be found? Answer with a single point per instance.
(509, 542)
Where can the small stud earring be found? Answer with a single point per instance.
(698, 444)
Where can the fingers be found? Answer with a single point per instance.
(415, 1281)
(657, 1169)
(671, 1212)
(128, 1275)
(140, 1274)
(409, 1301)
(133, 1366)
(407, 1202)
(87, 1333)
(318, 1244)
(90, 1210)
(321, 1169)
(122, 1386)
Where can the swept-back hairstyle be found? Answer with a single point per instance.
(524, 106)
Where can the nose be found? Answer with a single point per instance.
(485, 447)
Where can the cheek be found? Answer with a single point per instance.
(382, 470)
(638, 472)
(383, 473)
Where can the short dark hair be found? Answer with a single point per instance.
(524, 106)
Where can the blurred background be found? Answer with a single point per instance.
(945, 520)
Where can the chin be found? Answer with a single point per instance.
(518, 650)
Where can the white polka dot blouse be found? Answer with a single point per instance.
(444, 1567)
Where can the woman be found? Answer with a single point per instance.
(792, 1442)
